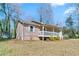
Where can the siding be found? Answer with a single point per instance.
(24, 34)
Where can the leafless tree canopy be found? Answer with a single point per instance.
(45, 13)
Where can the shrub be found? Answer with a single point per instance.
(57, 38)
(66, 36)
(53, 38)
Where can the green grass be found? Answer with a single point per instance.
(43, 48)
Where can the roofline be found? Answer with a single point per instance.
(39, 23)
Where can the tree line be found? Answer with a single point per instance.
(12, 12)
(71, 30)
(8, 12)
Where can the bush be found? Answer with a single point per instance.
(51, 38)
(54, 38)
(66, 36)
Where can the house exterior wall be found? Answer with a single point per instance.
(19, 31)
(24, 33)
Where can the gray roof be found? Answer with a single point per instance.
(31, 22)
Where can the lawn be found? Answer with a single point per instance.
(43, 48)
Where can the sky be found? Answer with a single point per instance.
(60, 11)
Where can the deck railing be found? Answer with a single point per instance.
(48, 33)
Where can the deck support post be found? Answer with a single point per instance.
(53, 33)
(61, 35)
(43, 32)
(23, 33)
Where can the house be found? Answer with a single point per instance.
(32, 30)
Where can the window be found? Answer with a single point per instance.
(32, 29)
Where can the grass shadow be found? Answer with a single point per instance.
(5, 39)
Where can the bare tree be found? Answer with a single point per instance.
(77, 12)
(5, 10)
(15, 15)
(45, 13)
(11, 12)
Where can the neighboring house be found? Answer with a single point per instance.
(32, 30)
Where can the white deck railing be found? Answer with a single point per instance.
(47, 34)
